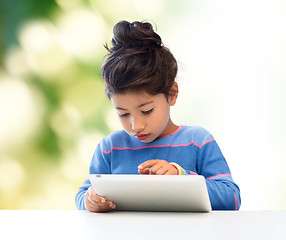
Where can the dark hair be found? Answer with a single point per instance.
(138, 61)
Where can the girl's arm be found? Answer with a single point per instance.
(99, 164)
(79, 198)
(223, 191)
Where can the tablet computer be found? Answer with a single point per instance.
(153, 192)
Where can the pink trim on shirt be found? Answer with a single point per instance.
(218, 175)
(105, 151)
(158, 146)
(235, 202)
(193, 173)
(210, 140)
(177, 130)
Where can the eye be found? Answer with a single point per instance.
(148, 112)
(123, 115)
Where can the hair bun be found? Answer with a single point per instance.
(139, 34)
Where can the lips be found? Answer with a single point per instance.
(142, 137)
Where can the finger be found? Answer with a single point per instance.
(104, 207)
(92, 195)
(99, 199)
(145, 171)
(161, 171)
(171, 172)
(147, 164)
(100, 207)
(111, 205)
(157, 167)
(87, 196)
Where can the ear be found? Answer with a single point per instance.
(173, 94)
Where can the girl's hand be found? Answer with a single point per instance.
(96, 203)
(157, 167)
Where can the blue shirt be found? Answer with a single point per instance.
(193, 148)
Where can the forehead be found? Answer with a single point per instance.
(135, 99)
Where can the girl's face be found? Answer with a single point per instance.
(144, 116)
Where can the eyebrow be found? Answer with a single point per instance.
(141, 105)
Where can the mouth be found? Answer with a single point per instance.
(142, 137)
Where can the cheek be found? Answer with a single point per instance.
(124, 122)
(162, 117)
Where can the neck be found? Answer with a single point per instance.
(171, 127)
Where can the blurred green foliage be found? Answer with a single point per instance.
(14, 13)
(52, 103)
(64, 107)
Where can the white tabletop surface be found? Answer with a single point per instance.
(73, 224)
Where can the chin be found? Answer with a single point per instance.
(148, 140)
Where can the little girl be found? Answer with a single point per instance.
(139, 76)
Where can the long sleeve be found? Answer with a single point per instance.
(223, 192)
(99, 164)
(79, 198)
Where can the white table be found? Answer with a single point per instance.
(46, 224)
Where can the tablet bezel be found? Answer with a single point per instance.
(153, 192)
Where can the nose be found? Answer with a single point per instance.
(137, 124)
